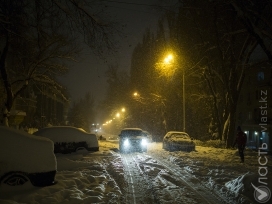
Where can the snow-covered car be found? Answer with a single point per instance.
(175, 141)
(132, 139)
(68, 139)
(24, 157)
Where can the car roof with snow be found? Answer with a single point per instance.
(146, 132)
(175, 132)
(171, 132)
(131, 132)
(132, 129)
(24, 152)
(67, 134)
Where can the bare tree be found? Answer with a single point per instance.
(256, 17)
(218, 47)
(38, 37)
(82, 113)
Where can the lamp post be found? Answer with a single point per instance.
(168, 60)
(183, 96)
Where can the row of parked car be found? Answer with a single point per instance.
(25, 157)
(135, 139)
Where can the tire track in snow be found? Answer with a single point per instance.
(141, 185)
(168, 188)
(138, 189)
(130, 180)
(168, 184)
(146, 177)
(207, 196)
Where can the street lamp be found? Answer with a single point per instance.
(167, 60)
(135, 94)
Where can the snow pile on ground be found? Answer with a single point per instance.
(82, 178)
(221, 170)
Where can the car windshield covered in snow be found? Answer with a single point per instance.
(179, 136)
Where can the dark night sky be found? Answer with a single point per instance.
(89, 73)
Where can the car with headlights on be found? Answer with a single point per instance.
(176, 141)
(132, 139)
(68, 139)
(25, 159)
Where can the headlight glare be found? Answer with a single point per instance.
(144, 142)
(126, 142)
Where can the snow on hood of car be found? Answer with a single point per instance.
(68, 134)
(21, 151)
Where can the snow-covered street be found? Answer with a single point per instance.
(207, 175)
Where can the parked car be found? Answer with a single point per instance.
(68, 139)
(132, 139)
(175, 141)
(25, 158)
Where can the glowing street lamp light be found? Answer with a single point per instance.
(123, 109)
(168, 59)
(117, 115)
(135, 94)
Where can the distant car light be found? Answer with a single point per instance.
(144, 142)
(126, 143)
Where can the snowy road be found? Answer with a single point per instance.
(205, 176)
(153, 180)
(138, 186)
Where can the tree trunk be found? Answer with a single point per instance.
(229, 127)
(7, 85)
(231, 131)
(226, 129)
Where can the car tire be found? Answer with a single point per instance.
(80, 149)
(15, 179)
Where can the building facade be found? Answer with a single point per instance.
(254, 108)
(38, 109)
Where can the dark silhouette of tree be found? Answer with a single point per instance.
(38, 37)
(219, 48)
(117, 97)
(256, 17)
(82, 113)
(214, 43)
